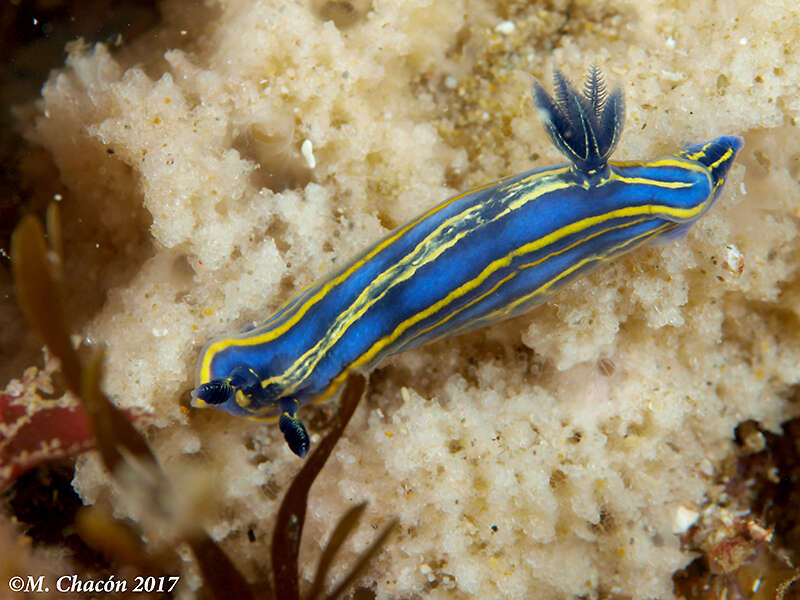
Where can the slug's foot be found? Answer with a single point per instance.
(295, 434)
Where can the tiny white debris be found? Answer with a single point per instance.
(684, 518)
(743, 189)
(506, 27)
(159, 332)
(192, 445)
(670, 42)
(726, 517)
(57, 197)
(758, 533)
(184, 32)
(450, 82)
(706, 467)
(425, 569)
(734, 260)
(672, 75)
(308, 153)
(744, 41)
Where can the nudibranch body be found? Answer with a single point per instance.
(480, 257)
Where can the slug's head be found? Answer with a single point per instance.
(585, 126)
(241, 394)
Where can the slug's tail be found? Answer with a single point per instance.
(717, 156)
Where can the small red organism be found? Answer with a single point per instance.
(35, 428)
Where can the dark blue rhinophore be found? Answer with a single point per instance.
(586, 126)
